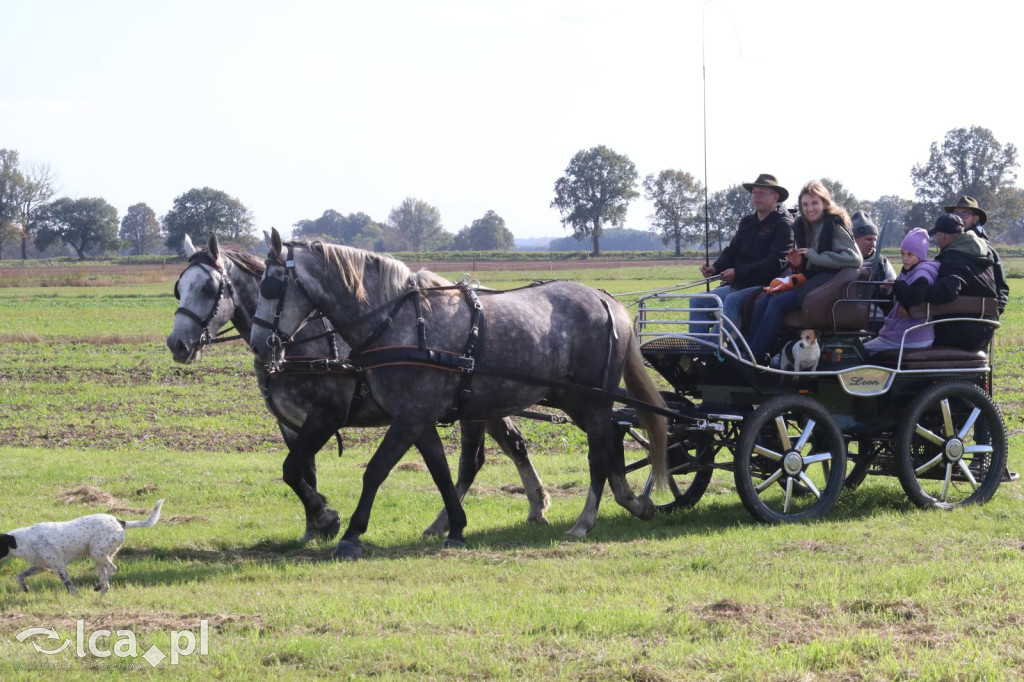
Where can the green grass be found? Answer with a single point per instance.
(90, 403)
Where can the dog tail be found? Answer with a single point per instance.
(148, 523)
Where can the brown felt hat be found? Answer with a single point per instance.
(766, 180)
(971, 204)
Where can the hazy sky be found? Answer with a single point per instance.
(299, 107)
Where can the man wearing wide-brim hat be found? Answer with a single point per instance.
(755, 255)
(973, 216)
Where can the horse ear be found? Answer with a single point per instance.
(188, 247)
(275, 241)
(214, 248)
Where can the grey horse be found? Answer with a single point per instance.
(431, 351)
(221, 285)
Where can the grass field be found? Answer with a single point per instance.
(94, 416)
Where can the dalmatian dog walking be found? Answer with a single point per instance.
(51, 546)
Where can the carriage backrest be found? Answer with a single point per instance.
(837, 305)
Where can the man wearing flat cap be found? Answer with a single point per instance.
(974, 217)
(965, 269)
(755, 255)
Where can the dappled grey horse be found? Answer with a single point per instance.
(311, 404)
(432, 351)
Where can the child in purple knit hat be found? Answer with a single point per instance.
(918, 271)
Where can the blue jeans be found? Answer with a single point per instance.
(733, 305)
(769, 311)
(708, 317)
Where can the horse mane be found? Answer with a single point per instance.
(395, 276)
(247, 261)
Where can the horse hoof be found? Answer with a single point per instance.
(330, 529)
(539, 520)
(576, 533)
(348, 550)
(645, 508)
(451, 543)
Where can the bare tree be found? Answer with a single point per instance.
(37, 189)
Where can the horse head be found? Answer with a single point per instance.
(206, 301)
(284, 304)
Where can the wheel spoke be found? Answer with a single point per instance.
(966, 471)
(770, 454)
(789, 495)
(768, 481)
(928, 435)
(946, 482)
(817, 457)
(804, 436)
(973, 417)
(780, 425)
(978, 450)
(810, 485)
(947, 418)
(929, 464)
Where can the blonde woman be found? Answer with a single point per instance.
(824, 246)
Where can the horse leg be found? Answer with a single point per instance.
(640, 506)
(607, 463)
(299, 472)
(508, 436)
(471, 460)
(430, 446)
(397, 440)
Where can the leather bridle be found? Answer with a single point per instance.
(203, 260)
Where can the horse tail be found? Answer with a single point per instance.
(639, 385)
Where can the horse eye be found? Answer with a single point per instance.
(209, 289)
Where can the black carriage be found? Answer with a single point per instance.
(796, 438)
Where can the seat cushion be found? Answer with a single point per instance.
(932, 357)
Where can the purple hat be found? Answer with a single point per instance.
(916, 242)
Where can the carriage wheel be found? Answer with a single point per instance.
(689, 468)
(790, 461)
(951, 449)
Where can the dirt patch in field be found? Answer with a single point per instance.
(136, 621)
(90, 495)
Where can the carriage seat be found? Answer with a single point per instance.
(835, 306)
(944, 357)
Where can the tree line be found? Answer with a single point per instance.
(31, 217)
(592, 196)
(599, 184)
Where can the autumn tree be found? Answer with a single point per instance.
(200, 212)
(140, 229)
(596, 189)
(485, 234)
(678, 200)
(970, 161)
(86, 225)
